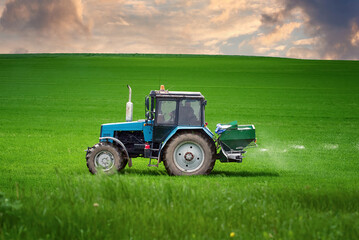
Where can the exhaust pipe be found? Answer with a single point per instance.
(129, 106)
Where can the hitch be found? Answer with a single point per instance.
(232, 156)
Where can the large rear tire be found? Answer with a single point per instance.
(106, 157)
(189, 153)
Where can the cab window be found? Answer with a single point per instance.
(189, 112)
(166, 112)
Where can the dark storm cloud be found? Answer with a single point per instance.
(56, 18)
(333, 13)
(334, 22)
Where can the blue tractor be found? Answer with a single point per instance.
(174, 132)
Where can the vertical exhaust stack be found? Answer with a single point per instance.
(129, 106)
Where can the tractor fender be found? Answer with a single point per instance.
(122, 145)
(174, 131)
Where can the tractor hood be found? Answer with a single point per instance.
(108, 129)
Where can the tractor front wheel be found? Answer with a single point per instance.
(189, 153)
(106, 157)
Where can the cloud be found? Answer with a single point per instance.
(280, 48)
(50, 18)
(223, 10)
(20, 50)
(306, 41)
(152, 26)
(302, 29)
(279, 33)
(120, 21)
(303, 53)
(333, 25)
(247, 25)
(170, 26)
(160, 1)
(355, 35)
(274, 18)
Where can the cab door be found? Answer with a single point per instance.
(166, 119)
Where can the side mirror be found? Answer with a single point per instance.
(147, 103)
(204, 102)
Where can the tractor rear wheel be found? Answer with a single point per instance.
(189, 153)
(105, 156)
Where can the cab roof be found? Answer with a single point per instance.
(175, 94)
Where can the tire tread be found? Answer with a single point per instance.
(91, 150)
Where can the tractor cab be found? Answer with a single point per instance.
(167, 110)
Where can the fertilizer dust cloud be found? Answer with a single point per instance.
(279, 155)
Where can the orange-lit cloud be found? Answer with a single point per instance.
(306, 41)
(355, 35)
(280, 33)
(302, 52)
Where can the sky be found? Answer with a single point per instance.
(308, 29)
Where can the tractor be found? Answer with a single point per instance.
(174, 132)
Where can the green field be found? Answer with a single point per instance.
(301, 182)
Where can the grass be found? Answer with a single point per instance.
(301, 182)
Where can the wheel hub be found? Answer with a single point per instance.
(105, 160)
(188, 156)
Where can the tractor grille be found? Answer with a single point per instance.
(130, 137)
(133, 140)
